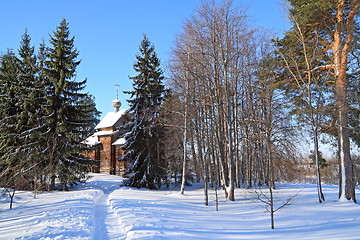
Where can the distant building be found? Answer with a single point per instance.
(108, 140)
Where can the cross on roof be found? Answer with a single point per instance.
(117, 85)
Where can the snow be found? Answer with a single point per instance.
(110, 119)
(102, 209)
(92, 140)
(120, 141)
(104, 133)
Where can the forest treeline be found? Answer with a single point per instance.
(237, 103)
(242, 99)
(45, 115)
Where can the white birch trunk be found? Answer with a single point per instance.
(185, 139)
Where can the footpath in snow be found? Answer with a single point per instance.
(101, 209)
(82, 213)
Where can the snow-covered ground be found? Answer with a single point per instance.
(100, 209)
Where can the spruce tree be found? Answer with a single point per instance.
(30, 97)
(142, 145)
(8, 117)
(70, 113)
(39, 116)
(18, 77)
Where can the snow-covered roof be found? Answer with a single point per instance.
(110, 119)
(104, 133)
(91, 141)
(120, 141)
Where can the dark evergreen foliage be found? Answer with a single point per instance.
(19, 124)
(143, 149)
(70, 112)
(322, 160)
(317, 19)
(44, 114)
(9, 140)
(32, 94)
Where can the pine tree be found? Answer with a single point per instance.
(143, 140)
(334, 23)
(307, 89)
(69, 111)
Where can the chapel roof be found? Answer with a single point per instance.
(110, 119)
(120, 141)
(91, 141)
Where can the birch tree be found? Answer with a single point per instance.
(218, 54)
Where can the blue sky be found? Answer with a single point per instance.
(107, 33)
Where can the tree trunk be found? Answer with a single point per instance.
(12, 195)
(206, 182)
(52, 182)
(231, 155)
(35, 187)
(195, 160)
(316, 152)
(185, 139)
(347, 185)
(272, 208)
